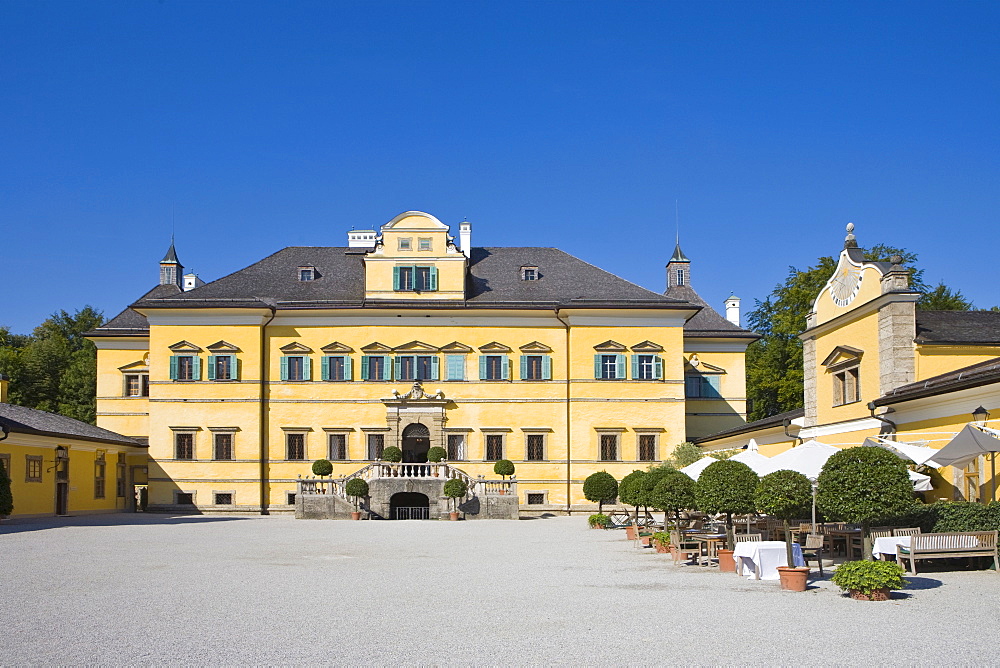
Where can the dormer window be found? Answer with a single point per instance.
(307, 273)
(529, 273)
(405, 243)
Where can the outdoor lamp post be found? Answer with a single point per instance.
(981, 416)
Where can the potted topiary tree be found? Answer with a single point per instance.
(322, 467)
(6, 497)
(598, 521)
(673, 493)
(861, 485)
(726, 487)
(786, 495)
(504, 468)
(392, 454)
(600, 487)
(436, 454)
(630, 494)
(356, 488)
(869, 580)
(455, 489)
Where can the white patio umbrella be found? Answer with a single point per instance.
(915, 452)
(973, 441)
(921, 482)
(760, 464)
(694, 470)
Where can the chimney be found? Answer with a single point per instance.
(361, 239)
(465, 237)
(4, 387)
(733, 310)
(191, 281)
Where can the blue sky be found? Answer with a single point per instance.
(259, 125)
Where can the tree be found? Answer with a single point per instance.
(629, 492)
(785, 495)
(774, 362)
(6, 497)
(322, 467)
(647, 483)
(356, 488)
(862, 485)
(504, 468)
(726, 487)
(392, 454)
(436, 454)
(942, 298)
(455, 489)
(600, 487)
(685, 454)
(673, 493)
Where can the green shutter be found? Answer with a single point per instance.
(455, 367)
(619, 366)
(597, 366)
(387, 366)
(482, 367)
(692, 386)
(347, 368)
(504, 367)
(395, 278)
(284, 367)
(364, 367)
(195, 367)
(397, 366)
(546, 367)
(234, 368)
(435, 368)
(658, 368)
(433, 279)
(712, 387)
(173, 367)
(635, 366)
(324, 367)
(211, 367)
(524, 367)
(306, 367)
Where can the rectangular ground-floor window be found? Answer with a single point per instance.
(223, 445)
(338, 447)
(376, 444)
(121, 476)
(456, 447)
(223, 498)
(100, 472)
(290, 498)
(295, 445)
(494, 447)
(647, 447)
(183, 445)
(609, 447)
(32, 468)
(535, 447)
(184, 498)
(536, 498)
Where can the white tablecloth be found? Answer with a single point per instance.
(762, 558)
(887, 545)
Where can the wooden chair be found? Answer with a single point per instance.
(906, 532)
(882, 533)
(684, 549)
(813, 550)
(746, 537)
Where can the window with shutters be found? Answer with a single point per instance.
(185, 367)
(375, 367)
(697, 386)
(493, 367)
(609, 447)
(609, 367)
(183, 445)
(647, 367)
(535, 447)
(454, 367)
(456, 447)
(416, 367)
(846, 386)
(336, 367)
(294, 367)
(376, 444)
(647, 447)
(223, 445)
(494, 447)
(536, 367)
(137, 385)
(338, 447)
(32, 468)
(121, 476)
(222, 367)
(415, 279)
(295, 446)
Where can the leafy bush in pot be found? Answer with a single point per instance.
(599, 519)
(322, 467)
(674, 492)
(869, 576)
(392, 454)
(436, 454)
(785, 495)
(726, 487)
(600, 487)
(357, 488)
(629, 492)
(455, 489)
(504, 468)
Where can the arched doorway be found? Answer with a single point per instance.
(416, 442)
(409, 506)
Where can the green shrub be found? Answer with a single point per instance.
(455, 489)
(356, 487)
(601, 488)
(674, 492)
(662, 537)
(867, 576)
(504, 468)
(436, 454)
(322, 467)
(685, 454)
(961, 516)
(6, 497)
(786, 495)
(392, 454)
(726, 487)
(599, 519)
(629, 492)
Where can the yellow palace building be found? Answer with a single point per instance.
(406, 338)
(876, 367)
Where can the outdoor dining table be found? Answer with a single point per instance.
(842, 536)
(884, 546)
(762, 558)
(709, 546)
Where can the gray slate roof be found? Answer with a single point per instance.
(974, 375)
(129, 321)
(707, 322)
(22, 420)
(963, 327)
(763, 423)
(494, 280)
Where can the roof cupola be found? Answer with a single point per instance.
(171, 269)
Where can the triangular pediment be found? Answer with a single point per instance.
(376, 347)
(610, 346)
(337, 347)
(135, 367)
(295, 347)
(223, 347)
(535, 347)
(843, 355)
(694, 364)
(185, 347)
(494, 347)
(416, 347)
(647, 347)
(456, 347)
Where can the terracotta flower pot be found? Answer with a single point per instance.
(630, 532)
(453, 517)
(355, 515)
(877, 595)
(661, 548)
(726, 562)
(793, 578)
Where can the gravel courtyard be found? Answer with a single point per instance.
(155, 589)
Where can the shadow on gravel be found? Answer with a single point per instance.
(916, 582)
(543, 516)
(117, 519)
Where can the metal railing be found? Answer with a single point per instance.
(411, 513)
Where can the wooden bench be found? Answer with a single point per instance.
(949, 546)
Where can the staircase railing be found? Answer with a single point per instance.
(478, 486)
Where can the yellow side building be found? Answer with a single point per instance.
(520, 353)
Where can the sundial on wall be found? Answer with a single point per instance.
(845, 284)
